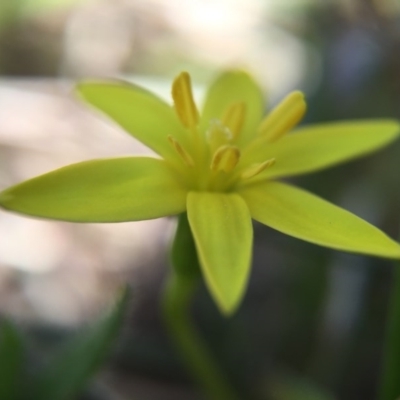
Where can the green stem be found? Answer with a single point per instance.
(390, 378)
(177, 296)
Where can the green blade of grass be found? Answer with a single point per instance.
(68, 372)
(11, 361)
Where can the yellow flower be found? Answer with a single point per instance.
(220, 167)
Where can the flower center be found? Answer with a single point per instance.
(209, 160)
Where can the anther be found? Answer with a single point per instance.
(185, 106)
(233, 118)
(255, 169)
(286, 115)
(225, 158)
(185, 156)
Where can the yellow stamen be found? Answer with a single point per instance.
(234, 118)
(225, 158)
(283, 117)
(255, 169)
(185, 156)
(185, 106)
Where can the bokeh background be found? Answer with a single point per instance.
(312, 321)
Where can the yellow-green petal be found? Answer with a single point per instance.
(305, 216)
(322, 145)
(230, 88)
(138, 111)
(108, 190)
(222, 230)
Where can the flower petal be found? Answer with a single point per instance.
(234, 87)
(109, 190)
(319, 146)
(222, 230)
(303, 215)
(141, 113)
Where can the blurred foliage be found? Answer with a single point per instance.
(286, 387)
(11, 361)
(11, 10)
(314, 312)
(28, 45)
(68, 371)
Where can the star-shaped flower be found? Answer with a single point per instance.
(220, 166)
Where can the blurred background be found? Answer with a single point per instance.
(312, 322)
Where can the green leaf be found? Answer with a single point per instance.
(319, 146)
(389, 387)
(109, 190)
(142, 114)
(70, 370)
(288, 387)
(305, 216)
(11, 361)
(232, 87)
(223, 234)
(10, 12)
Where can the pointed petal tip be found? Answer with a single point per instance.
(85, 87)
(81, 86)
(5, 198)
(319, 146)
(228, 302)
(222, 230)
(389, 250)
(300, 214)
(65, 194)
(396, 127)
(227, 307)
(133, 108)
(388, 127)
(83, 90)
(396, 253)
